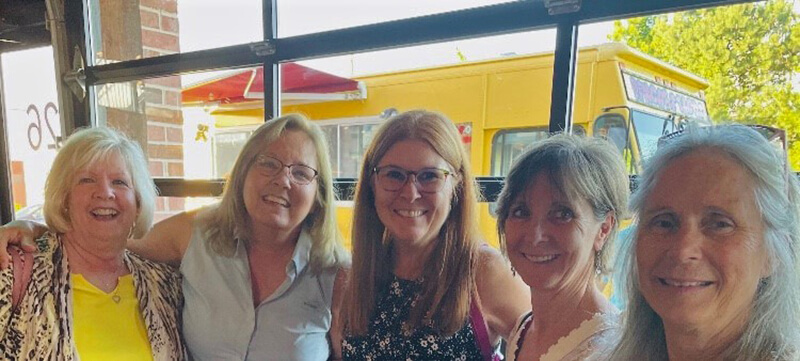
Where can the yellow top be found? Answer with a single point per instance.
(108, 326)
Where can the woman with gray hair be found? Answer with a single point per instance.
(82, 286)
(712, 270)
(557, 217)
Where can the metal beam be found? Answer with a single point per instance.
(564, 65)
(272, 73)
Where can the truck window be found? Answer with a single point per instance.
(648, 128)
(611, 127)
(508, 145)
(347, 144)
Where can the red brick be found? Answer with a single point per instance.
(147, 53)
(172, 98)
(167, 81)
(156, 168)
(156, 133)
(158, 40)
(166, 5)
(169, 24)
(161, 205)
(176, 203)
(175, 135)
(161, 151)
(164, 115)
(149, 18)
(174, 169)
(153, 96)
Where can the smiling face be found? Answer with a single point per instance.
(410, 215)
(551, 241)
(274, 204)
(700, 243)
(102, 201)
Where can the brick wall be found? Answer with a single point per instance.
(159, 32)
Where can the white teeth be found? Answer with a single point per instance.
(277, 200)
(674, 283)
(104, 212)
(406, 213)
(541, 259)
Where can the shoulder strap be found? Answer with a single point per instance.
(23, 266)
(481, 331)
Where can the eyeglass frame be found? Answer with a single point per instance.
(257, 162)
(408, 174)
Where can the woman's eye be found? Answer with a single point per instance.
(121, 182)
(563, 214)
(662, 223)
(519, 212)
(84, 180)
(721, 225)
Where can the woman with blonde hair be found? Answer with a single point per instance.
(82, 286)
(423, 287)
(263, 267)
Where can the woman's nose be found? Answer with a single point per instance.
(104, 190)
(409, 189)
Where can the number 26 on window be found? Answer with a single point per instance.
(35, 128)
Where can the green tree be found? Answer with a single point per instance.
(749, 53)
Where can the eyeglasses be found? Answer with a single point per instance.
(298, 173)
(775, 136)
(428, 180)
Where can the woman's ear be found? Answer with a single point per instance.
(605, 230)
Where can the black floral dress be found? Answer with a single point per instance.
(386, 340)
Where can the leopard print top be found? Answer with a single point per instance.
(41, 326)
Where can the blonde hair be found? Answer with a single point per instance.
(87, 146)
(228, 221)
(448, 280)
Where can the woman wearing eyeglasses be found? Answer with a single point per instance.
(712, 272)
(262, 269)
(423, 286)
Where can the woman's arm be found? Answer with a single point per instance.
(503, 296)
(19, 233)
(336, 333)
(167, 241)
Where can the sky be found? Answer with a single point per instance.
(239, 22)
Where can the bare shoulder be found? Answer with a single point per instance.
(491, 264)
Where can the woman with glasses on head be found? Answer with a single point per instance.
(262, 269)
(712, 271)
(423, 286)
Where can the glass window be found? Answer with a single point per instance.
(709, 66)
(612, 127)
(648, 128)
(127, 30)
(32, 120)
(508, 146)
(185, 125)
(297, 17)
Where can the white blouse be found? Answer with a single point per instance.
(578, 345)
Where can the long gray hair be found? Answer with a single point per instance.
(772, 331)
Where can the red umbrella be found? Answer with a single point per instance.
(248, 85)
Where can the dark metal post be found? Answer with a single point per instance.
(272, 71)
(564, 66)
(6, 195)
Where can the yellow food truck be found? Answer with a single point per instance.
(500, 106)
